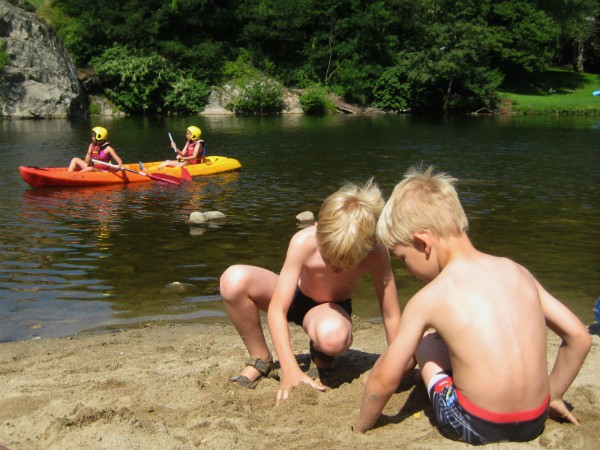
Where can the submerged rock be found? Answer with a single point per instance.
(176, 287)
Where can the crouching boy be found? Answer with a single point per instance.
(478, 326)
(322, 269)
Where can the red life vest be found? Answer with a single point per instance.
(191, 145)
(99, 153)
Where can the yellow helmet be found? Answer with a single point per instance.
(100, 133)
(195, 132)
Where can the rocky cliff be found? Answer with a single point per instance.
(40, 79)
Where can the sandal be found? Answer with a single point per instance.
(264, 367)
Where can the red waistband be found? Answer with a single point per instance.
(520, 416)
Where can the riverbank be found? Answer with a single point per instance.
(166, 387)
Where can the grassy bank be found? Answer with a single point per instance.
(557, 92)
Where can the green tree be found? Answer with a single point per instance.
(448, 67)
(579, 29)
(194, 35)
(434, 55)
(135, 82)
(522, 39)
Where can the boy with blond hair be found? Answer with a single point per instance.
(322, 268)
(484, 365)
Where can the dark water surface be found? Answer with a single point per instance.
(72, 259)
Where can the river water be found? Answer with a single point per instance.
(75, 259)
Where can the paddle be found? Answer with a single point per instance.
(185, 175)
(153, 176)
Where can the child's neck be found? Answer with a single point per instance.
(455, 248)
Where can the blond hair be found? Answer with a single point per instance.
(422, 201)
(347, 224)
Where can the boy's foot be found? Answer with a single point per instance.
(321, 364)
(253, 372)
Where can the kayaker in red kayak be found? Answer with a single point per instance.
(192, 152)
(99, 149)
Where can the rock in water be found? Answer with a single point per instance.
(305, 217)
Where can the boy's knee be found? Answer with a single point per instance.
(232, 281)
(333, 338)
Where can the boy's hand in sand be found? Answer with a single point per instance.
(286, 385)
(558, 410)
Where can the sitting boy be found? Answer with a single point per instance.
(485, 365)
(323, 266)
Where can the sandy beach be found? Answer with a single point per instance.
(165, 386)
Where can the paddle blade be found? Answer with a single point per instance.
(165, 178)
(185, 175)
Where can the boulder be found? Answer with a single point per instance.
(40, 80)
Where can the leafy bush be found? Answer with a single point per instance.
(257, 96)
(315, 100)
(186, 96)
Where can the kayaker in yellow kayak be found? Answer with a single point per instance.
(99, 149)
(192, 152)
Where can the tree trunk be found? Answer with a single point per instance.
(578, 56)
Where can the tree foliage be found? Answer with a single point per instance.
(428, 55)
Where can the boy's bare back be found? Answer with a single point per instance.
(485, 366)
(489, 314)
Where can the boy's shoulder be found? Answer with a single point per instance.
(304, 237)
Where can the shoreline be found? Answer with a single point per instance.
(166, 386)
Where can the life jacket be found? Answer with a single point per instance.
(99, 153)
(190, 150)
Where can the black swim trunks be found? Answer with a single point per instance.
(461, 420)
(301, 304)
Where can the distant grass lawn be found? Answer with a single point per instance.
(557, 92)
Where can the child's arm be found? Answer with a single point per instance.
(88, 155)
(385, 287)
(180, 153)
(575, 345)
(114, 156)
(194, 155)
(387, 372)
(279, 306)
